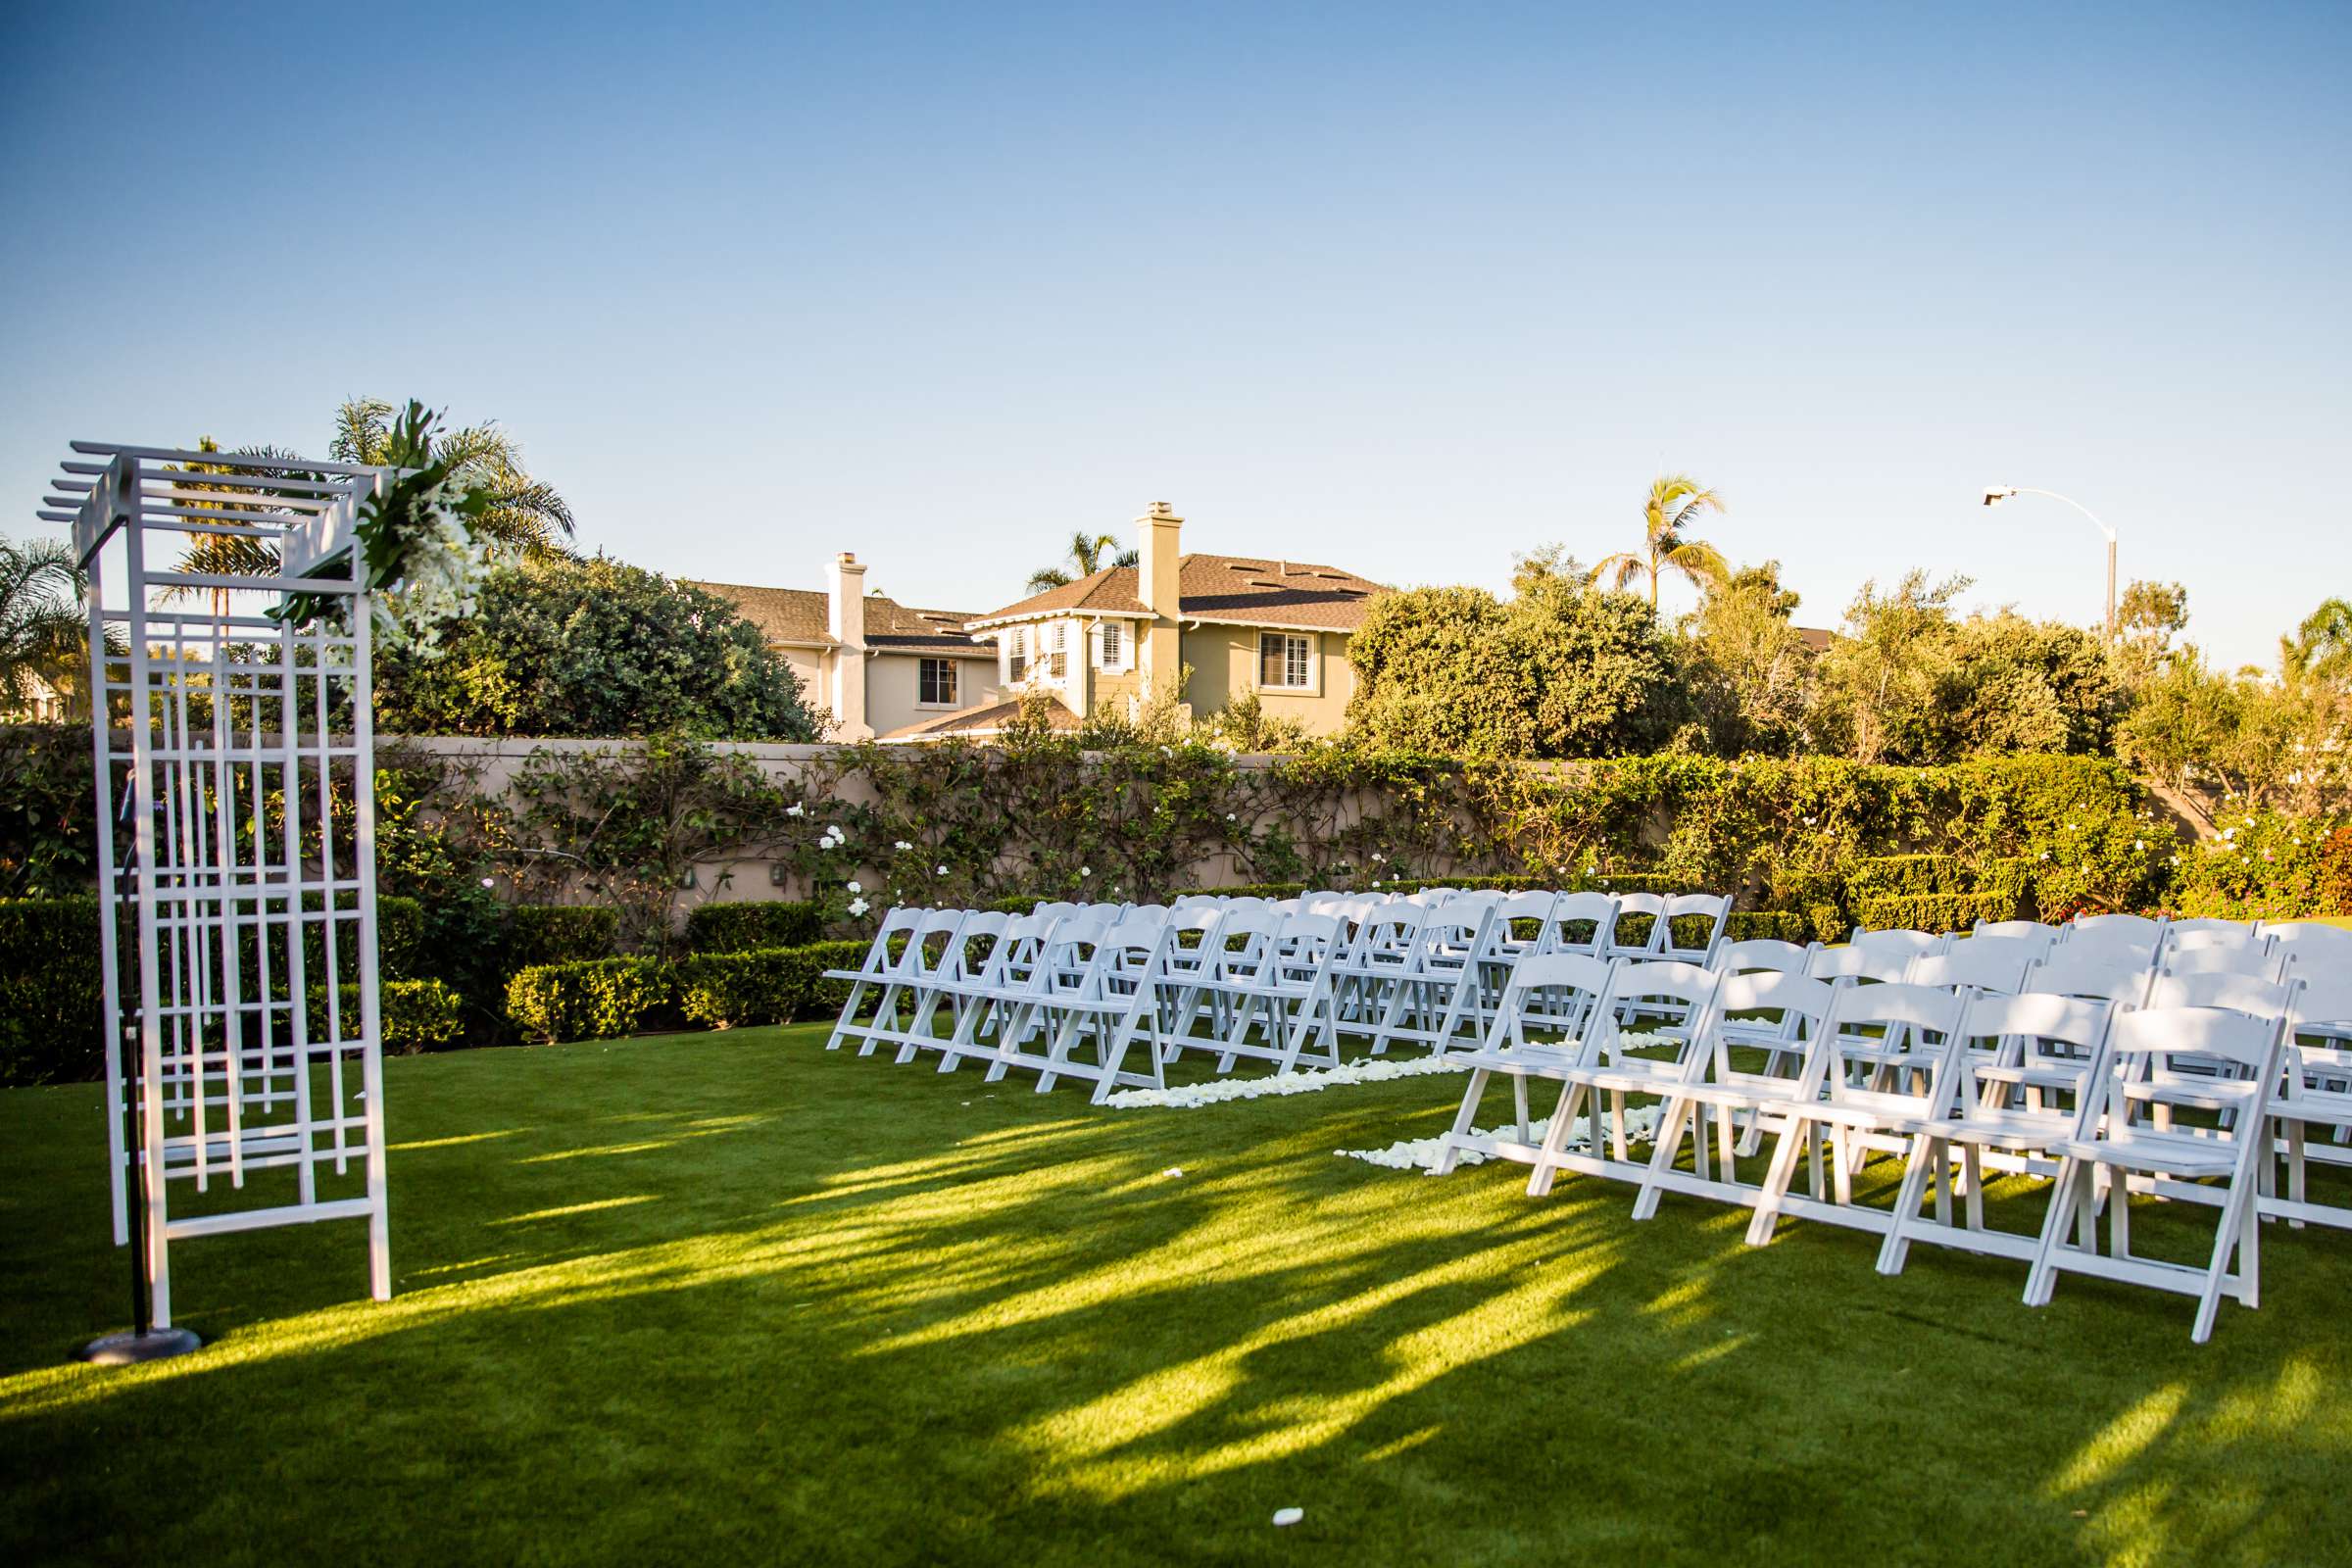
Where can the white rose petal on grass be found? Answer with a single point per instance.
(1288, 1516)
(1173, 1170)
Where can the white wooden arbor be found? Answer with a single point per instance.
(242, 1027)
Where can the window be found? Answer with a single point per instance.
(1055, 654)
(1016, 655)
(1114, 639)
(1284, 661)
(935, 682)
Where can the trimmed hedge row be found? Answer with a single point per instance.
(745, 927)
(605, 999)
(559, 933)
(1932, 912)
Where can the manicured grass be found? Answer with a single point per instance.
(729, 1298)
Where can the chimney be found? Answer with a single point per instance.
(845, 621)
(1160, 649)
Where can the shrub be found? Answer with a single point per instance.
(1780, 925)
(51, 992)
(1880, 875)
(1931, 911)
(599, 1000)
(559, 933)
(2265, 866)
(399, 937)
(741, 927)
(765, 985)
(2012, 882)
(415, 1014)
(2336, 873)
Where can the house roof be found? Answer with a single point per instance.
(1245, 590)
(1817, 638)
(799, 616)
(983, 718)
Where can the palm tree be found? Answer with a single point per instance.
(234, 555)
(1675, 503)
(43, 620)
(1089, 553)
(525, 515)
(2322, 647)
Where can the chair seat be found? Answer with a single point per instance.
(1520, 1061)
(2019, 1130)
(1634, 1075)
(1856, 1108)
(2146, 1149)
(2331, 1105)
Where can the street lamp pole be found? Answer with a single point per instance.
(1994, 495)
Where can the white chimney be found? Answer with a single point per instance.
(845, 621)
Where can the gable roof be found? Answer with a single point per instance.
(982, 719)
(1240, 590)
(797, 616)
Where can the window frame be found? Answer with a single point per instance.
(1302, 642)
(1109, 633)
(1053, 652)
(1017, 656)
(944, 665)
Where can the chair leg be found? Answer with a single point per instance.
(2065, 1193)
(1450, 1152)
(1926, 1153)
(1555, 1138)
(1663, 1148)
(1796, 1134)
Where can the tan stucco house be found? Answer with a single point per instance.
(1235, 623)
(875, 666)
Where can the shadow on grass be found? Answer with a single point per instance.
(747, 1297)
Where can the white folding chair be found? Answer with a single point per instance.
(2030, 930)
(2316, 1092)
(1436, 996)
(2136, 928)
(960, 973)
(1793, 1011)
(1975, 1116)
(1367, 977)
(1701, 917)
(1896, 943)
(1620, 1064)
(2312, 942)
(871, 972)
(1580, 922)
(912, 986)
(1862, 1099)
(1765, 953)
(1012, 974)
(1112, 1005)
(1636, 929)
(2105, 974)
(2219, 1164)
(1996, 964)
(1564, 997)
(2254, 959)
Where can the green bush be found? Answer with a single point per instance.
(559, 933)
(415, 1014)
(2012, 882)
(1931, 911)
(1780, 925)
(51, 992)
(2265, 866)
(601, 998)
(1881, 875)
(743, 927)
(399, 937)
(765, 985)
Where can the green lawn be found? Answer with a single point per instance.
(724, 1298)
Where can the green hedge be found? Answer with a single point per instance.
(1781, 926)
(605, 999)
(745, 927)
(559, 933)
(766, 985)
(1882, 875)
(417, 1015)
(597, 999)
(1932, 911)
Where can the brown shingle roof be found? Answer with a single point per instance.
(797, 616)
(1249, 589)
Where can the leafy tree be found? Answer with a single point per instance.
(43, 627)
(1089, 553)
(1560, 671)
(525, 512)
(1880, 683)
(559, 647)
(1667, 518)
(2320, 650)
(1749, 668)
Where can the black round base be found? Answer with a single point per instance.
(126, 1349)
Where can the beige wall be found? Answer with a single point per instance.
(891, 685)
(1224, 663)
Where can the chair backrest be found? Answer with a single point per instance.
(2257, 962)
(2140, 1038)
(1701, 917)
(2230, 938)
(2326, 1001)
(1056, 909)
(2209, 924)
(1897, 944)
(1388, 936)
(1765, 953)
(2116, 949)
(2098, 973)
(1580, 922)
(1566, 993)
(2130, 927)
(2049, 1041)
(934, 947)
(1861, 963)
(2256, 995)
(897, 922)
(2019, 928)
(1916, 1026)
(1797, 1010)
(1989, 963)
(1651, 986)
(2312, 937)
(1637, 930)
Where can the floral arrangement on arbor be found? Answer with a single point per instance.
(419, 555)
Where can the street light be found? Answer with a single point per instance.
(1994, 495)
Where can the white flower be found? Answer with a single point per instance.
(2045, 855)
(1085, 870)
(1377, 857)
(854, 887)
(794, 810)
(859, 906)
(939, 870)
(489, 882)
(2139, 844)
(903, 845)
(1228, 817)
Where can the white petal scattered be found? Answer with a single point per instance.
(1374, 1070)
(1288, 1516)
(1173, 1170)
(1421, 1153)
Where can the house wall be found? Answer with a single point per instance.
(1224, 663)
(892, 682)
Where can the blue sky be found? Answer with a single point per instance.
(1406, 291)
